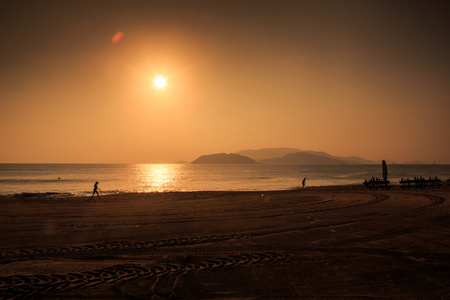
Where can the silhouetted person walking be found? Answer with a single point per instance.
(96, 189)
(303, 182)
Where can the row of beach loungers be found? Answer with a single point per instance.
(418, 183)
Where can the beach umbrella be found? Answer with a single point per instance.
(385, 171)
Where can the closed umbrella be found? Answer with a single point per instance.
(385, 171)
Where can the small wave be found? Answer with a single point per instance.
(23, 181)
(38, 195)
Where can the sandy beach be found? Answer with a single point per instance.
(315, 243)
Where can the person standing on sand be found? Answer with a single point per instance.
(96, 189)
(303, 182)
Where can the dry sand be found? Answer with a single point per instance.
(316, 243)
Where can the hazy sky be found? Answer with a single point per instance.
(364, 78)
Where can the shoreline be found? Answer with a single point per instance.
(357, 186)
(76, 180)
(326, 242)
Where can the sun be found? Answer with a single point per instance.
(159, 82)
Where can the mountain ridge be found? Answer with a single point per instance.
(272, 155)
(281, 156)
(302, 158)
(223, 158)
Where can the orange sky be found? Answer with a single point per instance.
(364, 78)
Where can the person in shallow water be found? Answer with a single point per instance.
(96, 189)
(303, 182)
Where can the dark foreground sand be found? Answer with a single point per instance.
(317, 243)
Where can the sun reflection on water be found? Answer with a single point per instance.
(156, 178)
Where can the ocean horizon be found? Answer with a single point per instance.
(78, 179)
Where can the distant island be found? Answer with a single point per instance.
(302, 158)
(293, 156)
(280, 156)
(223, 158)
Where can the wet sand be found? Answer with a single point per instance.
(315, 243)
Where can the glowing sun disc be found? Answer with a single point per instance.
(159, 82)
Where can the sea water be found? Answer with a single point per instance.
(78, 179)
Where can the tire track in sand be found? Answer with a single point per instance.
(125, 245)
(20, 286)
(435, 200)
(130, 245)
(377, 199)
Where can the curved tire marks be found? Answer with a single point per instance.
(127, 245)
(377, 199)
(435, 200)
(130, 245)
(19, 286)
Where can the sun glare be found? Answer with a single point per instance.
(159, 82)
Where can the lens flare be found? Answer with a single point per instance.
(117, 37)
